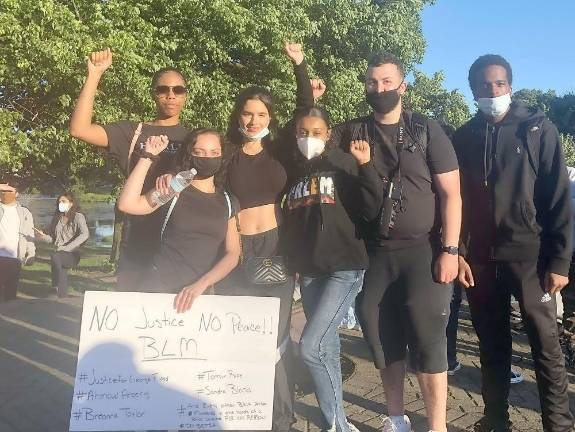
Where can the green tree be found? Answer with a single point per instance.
(222, 45)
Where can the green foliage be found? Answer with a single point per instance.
(222, 45)
(568, 144)
(430, 98)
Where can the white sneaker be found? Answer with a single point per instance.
(403, 425)
(516, 376)
(352, 427)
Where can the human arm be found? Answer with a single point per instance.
(448, 188)
(223, 267)
(81, 126)
(554, 210)
(29, 236)
(131, 200)
(305, 94)
(370, 187)
(82, 234)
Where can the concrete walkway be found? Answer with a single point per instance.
(39, 343)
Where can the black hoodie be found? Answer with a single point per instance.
(327, 199)
(515, 190)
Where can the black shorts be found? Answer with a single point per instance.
(402, 307)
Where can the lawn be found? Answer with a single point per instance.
(94, 273)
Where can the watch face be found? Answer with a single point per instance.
(452, 250)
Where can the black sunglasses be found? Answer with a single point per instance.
(164, 90)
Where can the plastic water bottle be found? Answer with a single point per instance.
(179, 182)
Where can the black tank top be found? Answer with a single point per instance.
(256, 180)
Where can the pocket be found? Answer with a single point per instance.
(528, 215)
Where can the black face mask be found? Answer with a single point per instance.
(206, 166)
(383, 102)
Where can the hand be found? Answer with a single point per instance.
(446, 268)
(554, 282)
(294, 51)
(6, 187)
(187, 295)
(360, 150)
(28, 261)
(163, 184)
(465, 276)
(157, 144)
(317, 88)
(38, 233)
(99, 61)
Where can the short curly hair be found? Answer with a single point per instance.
(488, 60)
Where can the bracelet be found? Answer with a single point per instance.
(147, 155)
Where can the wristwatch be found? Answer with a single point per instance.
(451, 250)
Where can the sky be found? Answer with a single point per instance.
(535, 37)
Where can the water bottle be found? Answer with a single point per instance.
(179, 182)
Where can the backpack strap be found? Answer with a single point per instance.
(229, 201)
(417, 129)
(137, 134)
(532, 131)
(172, 205)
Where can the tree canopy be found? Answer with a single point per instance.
(221, 45)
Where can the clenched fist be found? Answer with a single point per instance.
(360, 151)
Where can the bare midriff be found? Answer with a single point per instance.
(256, 220)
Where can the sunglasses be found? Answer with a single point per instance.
(164, 90)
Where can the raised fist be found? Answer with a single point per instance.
(156, 144)
(99, 61)
(318, 88)
(360, 151)
(294, 51)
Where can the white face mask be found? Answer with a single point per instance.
(261, 134)
(310, 147)
(63, 207)
(496, 106)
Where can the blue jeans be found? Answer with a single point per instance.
(325, 301)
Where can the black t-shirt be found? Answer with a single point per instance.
(194, 237)
(141, 239)
(256, 179)
(418, 197)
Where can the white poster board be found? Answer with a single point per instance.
(142, 366)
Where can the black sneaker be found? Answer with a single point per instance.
(483, 425)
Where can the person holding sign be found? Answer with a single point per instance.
(332, 193)
(199, 224)
(124, 141)
(67, 231)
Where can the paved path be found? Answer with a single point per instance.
(39, 342)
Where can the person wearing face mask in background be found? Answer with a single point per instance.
(67, 231)
(412, 243)
(124, 141)
(16, 239)
(330, 194)
(516, 239)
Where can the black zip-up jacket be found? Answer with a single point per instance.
(328, 198)
(515, 190)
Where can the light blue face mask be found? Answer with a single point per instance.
(63, 207)
(495, 106)
(260, 135)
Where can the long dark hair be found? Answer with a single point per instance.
(184, 156)
(251, 93)
(71, 215)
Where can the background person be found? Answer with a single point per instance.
(67, 232)
(16, 239)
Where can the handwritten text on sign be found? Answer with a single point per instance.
(143, 366)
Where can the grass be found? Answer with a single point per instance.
(94, 273)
